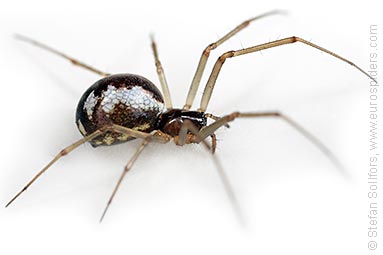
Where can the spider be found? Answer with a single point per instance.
(122, 107)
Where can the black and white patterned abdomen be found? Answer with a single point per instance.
(128, 100)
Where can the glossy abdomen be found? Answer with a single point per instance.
(128, 100)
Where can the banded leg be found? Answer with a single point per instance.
(213, 117)
(161, 76)
(62, 153)
(189, 126)
(126, 169)
(58, 53)
(158, 136)
(65, 151)
(230, 54)
(213, 143)
(205, 55)
(219, 123)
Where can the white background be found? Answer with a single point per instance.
(294, 200)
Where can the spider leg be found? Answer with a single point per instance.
(230, 54)
(189, 126)
(62, 153)
(158, 136)
(128, 131)
(161, 76)
(219, 123)
(126, 169)
(58, 53)
(213, 136)
(213, 143)
(68, 149)
(205, 55)
(213, 117)
(186, 127)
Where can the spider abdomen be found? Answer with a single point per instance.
(128, 100)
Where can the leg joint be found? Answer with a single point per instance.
(209, 48)
(278, 114)
(64, 152)
(297, 39)
(226, 55)
(232, 116)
